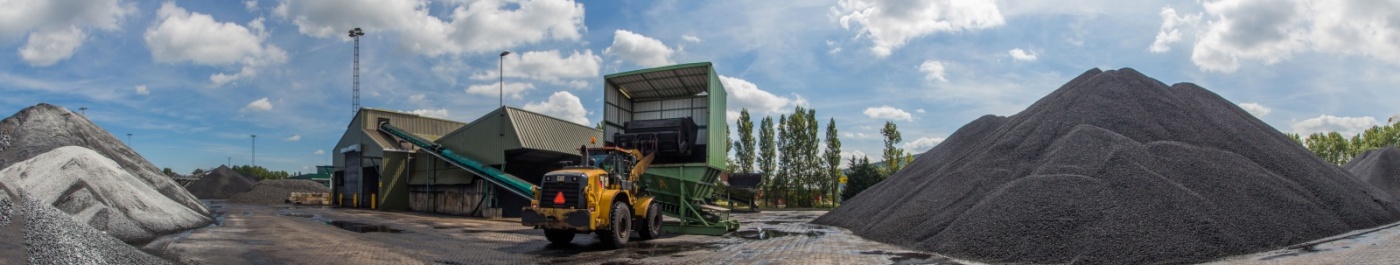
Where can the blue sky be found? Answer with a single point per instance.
(191, 80)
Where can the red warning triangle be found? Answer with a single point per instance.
(559, 198)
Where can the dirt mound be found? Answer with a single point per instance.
(41, 128)
(1380, 168)
(1114, 168)
(52, 237)
(97, 192)
(220, 183)
(276, 191)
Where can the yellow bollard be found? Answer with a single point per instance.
(373, 201)
(340, 199)
(357, 200)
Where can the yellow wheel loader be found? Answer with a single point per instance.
(600, 195)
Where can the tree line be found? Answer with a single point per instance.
(1337, 149)
(802, 169)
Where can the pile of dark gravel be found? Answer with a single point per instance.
(276, 191)
(1114, 168)
(52, 237)
(1380, 168)
(220, 183)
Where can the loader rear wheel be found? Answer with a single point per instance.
(559, 236)
(621, 229)
(650, 227)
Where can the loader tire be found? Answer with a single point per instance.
(559, 236)
(616, 235)
(650, 227)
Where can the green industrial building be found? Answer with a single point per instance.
(375, 169)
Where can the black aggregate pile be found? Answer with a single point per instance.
(1114, 167)
(41, 128)
(220, 183)
(1380, 168)
(276, 191)
(52, 237)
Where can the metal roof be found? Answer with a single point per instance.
(542, 132)
(488, 138)
(663, 82)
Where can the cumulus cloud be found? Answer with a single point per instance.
(859, 135)
(261, 104)
(922, 144)
(920, 111)
(562, 105)
(250, 5)
(436, 113)
(746, 95)
(1256, 109)
(141, 90)
(890, 24)
(847, 155)
(933, 70)
(293, 138)
(512, 90)
(1021, 55)
(57, 28)
(888, 113)
(319, 152)
(183, 36)
(1231, 32)
(550, 66)
(469, 27)
(640, 50)
(690, 38)
(1327, 123)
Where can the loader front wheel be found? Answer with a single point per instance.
(616, 236)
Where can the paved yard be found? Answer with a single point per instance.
(254, 234)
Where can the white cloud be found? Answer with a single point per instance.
(469, 27)
(746, 95)
(562, 105)
(57, 28)
(293, 138)
(549, 66)
(640, 50)
(888, 113)
(47, 47)
(261, 104)
(319, 152)
(183, 36)
(1347, 126)
(1270, 31)
(436, 113)
(1255, 109)
(1171, 29)
(920, 111)
(922, 144)
(250, 5)
(690, 38)
(1021, 55)
(890, 24)
(141, 90)
(847, 155)
(512, 90)
(858, 135)
(933, 70)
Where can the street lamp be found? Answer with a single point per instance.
(255, 149)
(501, 73)
(355, 105)
(128, 139)
(82, 110)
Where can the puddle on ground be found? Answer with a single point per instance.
(257, 242)
(1363, 238)
(363, 227)
(765, 234)
(910, 257)
(247, 213)
(302, 215)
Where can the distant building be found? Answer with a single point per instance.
(322, 175)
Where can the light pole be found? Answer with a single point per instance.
(128, 139)
(255, 149)
(355, 34)
(501, 73)
(82, 110)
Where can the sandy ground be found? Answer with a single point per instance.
(255, 234)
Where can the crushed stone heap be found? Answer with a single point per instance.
(52, 237)
(41, 128)
(276, 191)
(1114, 167)
(96, 191)
(1380, 168)
(220, 183)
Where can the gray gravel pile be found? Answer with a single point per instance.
(95, 191)
(52, 237)
(220, 183)
(1380, 168)
(41, 128)
(1114, 168)
(276, 191)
